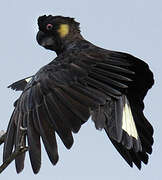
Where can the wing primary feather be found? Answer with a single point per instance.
(81, 98)
(98, 117)
(66, 115)
(107, 80)
(20, 142)
(9, 142)
(62, 128)
(92, 93)
(73, 104)
(47, 134)
(104, 88)
(33, 143)
(117, 62)
(114, 68)
(111, 74)
(109, 59)
(35, 121)
(37, 94)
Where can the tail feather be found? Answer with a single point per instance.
(116, 117)
(121, 123)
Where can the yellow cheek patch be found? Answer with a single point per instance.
(63, 30)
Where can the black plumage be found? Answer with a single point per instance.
(82, 81)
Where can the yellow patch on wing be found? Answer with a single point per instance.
(63, 30)
(128, 124)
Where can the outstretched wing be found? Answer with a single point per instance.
(63, 95)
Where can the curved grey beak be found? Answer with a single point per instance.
(44, 40)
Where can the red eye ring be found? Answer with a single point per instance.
(49, 27)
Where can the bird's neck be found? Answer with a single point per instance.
(70, 43)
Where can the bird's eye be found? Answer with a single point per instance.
(49, 27)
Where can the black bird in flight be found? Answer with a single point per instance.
(83, 81)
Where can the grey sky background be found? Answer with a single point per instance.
(130, 26)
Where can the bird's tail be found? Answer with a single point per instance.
(127, 128)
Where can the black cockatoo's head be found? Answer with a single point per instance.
(55, 32)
